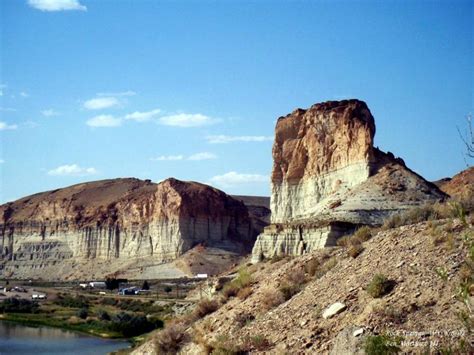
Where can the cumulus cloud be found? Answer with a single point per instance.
(202, 156)
(5, 126)
(57, 5)
(186, 120)
(49, 113)
(118, 94)
(104, 121)
(101, 103)
(167, 158)
(222, 139)
(71, 170)
(233, 178)
(142, 116)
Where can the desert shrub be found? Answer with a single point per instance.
(363, 234)
(326, 267)
(243, 280)
(170, 339)
(256, 342)
(457, 210)
(82, 313)
(379, 286)
(312, 266)
(242, 319)
(223, 345)
(391, 222)
(109, 301)
(205, 307)
(414, 215)
(244, 293)
(381, 345)
(230, 290)
(289, 290)
(103, 315)
(272, 298)
(442, 273)
(15, 305)
(133, 325)
(344, 241)
(355, 250)
(72, 302)
(296, 277)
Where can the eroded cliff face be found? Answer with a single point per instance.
(317, 151)
(326, 171)
(120, 219)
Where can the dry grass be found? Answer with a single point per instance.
(355, 250)
(244, 293)
(271, 298)
(379, 286)
(170, 339)
(204, 308)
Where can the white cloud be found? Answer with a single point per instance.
(72, 170)
(233, 178)
(104, 121)
(186, 120)
(56, 5)
(24, 94)
(5, 126)
(49, 113)
(7, 109)
(142, 116)
(167, 157)
(202, 156)
(222, 139)
(2, 161)
(118, 94)
(101, 103)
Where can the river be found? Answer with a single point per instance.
(20, 339)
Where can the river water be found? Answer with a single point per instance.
(20, 339)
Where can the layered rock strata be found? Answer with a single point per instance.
(326, 169)
(120, 219)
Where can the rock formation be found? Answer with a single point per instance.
(460, 186)
(328, 178)
(117, 221)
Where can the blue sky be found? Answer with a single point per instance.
(192, 89)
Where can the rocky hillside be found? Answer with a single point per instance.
(460, 185)
(328, 179)
(409, 287)
(105, 225)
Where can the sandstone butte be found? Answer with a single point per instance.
(107, 225)
(328, 179)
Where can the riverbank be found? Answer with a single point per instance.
(22, 339)
(104, 317)
(92, 328)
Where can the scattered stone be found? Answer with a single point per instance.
(358, 332)
(334, 309)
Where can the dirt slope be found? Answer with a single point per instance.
(424, 261)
